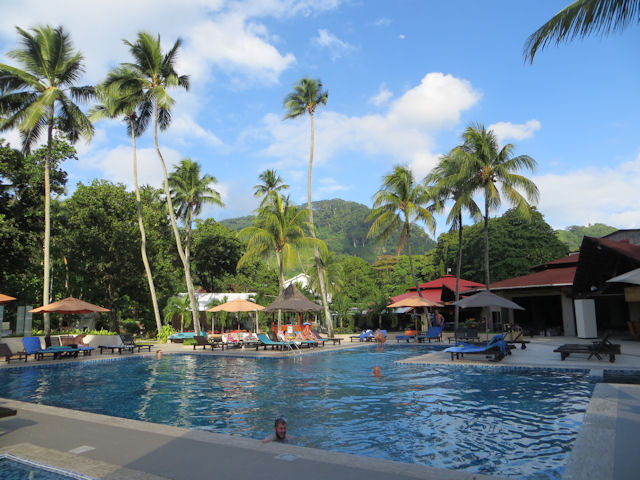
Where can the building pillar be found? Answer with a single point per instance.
(568, 317)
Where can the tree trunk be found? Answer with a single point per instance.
(280, 285)
(413, 273)
(458, 268)
(486, 243)
(176, 233)
(316, 253)
(47, 225)
(143, 235)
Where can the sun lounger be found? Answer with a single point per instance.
(265, 341)
(127, 341)
(6, 352)
(434, 333)
(202, 341)
(459, 335)
(119, 347)
(329, 339)
(405, 337)
(7, 412)
(75, 342)
(364, 335)
(230, 340)
(596, 349)
(496, 347)
(33, 347)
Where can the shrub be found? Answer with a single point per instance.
(165, 332)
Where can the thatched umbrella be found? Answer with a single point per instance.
(237, 305)
(292, 300)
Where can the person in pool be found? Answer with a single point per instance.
(279, 432)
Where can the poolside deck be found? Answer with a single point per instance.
(112, 448)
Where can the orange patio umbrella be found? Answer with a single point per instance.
(5, 298)
(237, 305)
(415, 302)
(69, 305)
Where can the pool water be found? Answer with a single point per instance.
(14, 468)
(520, 423)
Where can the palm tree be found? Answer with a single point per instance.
(178, 306)
(278, 230)
(448, 185)
(332, 273)
(271, 182)
(41, 95)
(190, 192)
(482, 159)
(583, 18)
(123, 104)
(153, 73)
(306, 96)
(399, 203)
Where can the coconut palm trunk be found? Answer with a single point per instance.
(486, 244)
(456, 319)
(47, 223)
(316, 253)
(143, 235)
(174, 225)
(413, 272)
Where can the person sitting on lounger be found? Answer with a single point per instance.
(306, 334)
(380, 338)
(279, 432)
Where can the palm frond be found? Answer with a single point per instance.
(581, 19)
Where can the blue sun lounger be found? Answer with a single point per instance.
(434, 333)
(266, 341)
(33, 347)
(496, 347)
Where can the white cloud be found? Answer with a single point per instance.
(592, 195)
(328, 188)
(516, 131)
(381, 97)
(382, 22)
(401, 36)
(405, 132)
(116, 164)
(184, 126)
(337, 48)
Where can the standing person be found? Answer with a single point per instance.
(279, 432)
(439, 322)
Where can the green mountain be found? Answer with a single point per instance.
(343, 227)
(572, 236)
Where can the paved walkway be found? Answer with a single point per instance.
(112, 448)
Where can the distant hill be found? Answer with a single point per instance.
(572, 236)
(343, 227)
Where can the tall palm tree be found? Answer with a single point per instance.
(117, 103)
(41, 94)
(154, 73)
(279, 229)
(399, 203)
(482, 159)
(270, 182)
(581, 19)
(190, 192)
(306, 96)
(447, 184)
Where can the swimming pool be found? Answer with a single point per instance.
(520, 423)
(15, 468)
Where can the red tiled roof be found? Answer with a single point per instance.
(571, 259)
(433, 289)
(433, 295)
(545, 278)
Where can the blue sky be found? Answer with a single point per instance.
(404, 80)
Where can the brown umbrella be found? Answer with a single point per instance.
(69, 305)
(237, 305)
(5, 298)
(414, 302)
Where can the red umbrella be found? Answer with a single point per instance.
(69, 305)
(5, 298)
